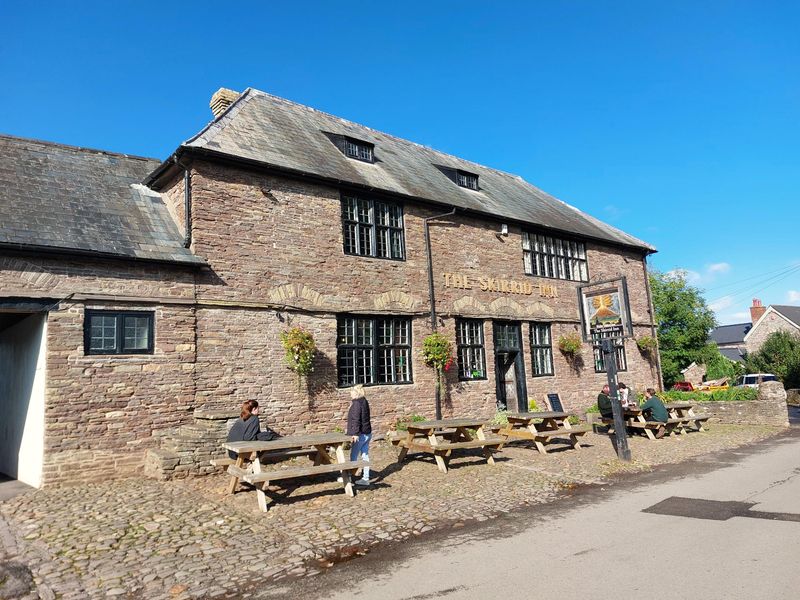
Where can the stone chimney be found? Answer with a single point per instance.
(221, 100)
(756, 310)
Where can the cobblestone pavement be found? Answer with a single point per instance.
(189, 539)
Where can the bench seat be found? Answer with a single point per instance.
(577, 430)
(222, 461)
(469, 444)
(278, 474)
(638, 424)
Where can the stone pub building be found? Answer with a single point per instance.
(142, 301)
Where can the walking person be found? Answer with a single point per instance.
(359, 428)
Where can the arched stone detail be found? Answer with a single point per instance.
(394, 299)
(30, 275)
(507, 306)
(294, 291)
(469, 305)
(540, 309)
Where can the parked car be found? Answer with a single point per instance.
(683, 386)
(753, 379)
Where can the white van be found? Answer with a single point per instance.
(753, 379)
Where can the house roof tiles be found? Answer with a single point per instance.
(64, 198)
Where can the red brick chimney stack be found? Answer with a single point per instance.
(756, 310)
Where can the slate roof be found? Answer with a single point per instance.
(790, 312)
(730, 334)
(734, 354)
(282, 134)
(57, 197)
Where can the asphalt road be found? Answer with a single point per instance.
(725, 526)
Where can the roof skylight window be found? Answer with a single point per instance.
(467, 180)
(358, 150)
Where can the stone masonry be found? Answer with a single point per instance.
(274, 250)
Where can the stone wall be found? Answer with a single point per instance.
(768, 409)
(274, 243)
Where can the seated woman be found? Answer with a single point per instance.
(247, 427)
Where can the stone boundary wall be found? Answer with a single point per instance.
(187, 450)
(768, 409)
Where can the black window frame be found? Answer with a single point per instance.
(119, 347)
(468, 178)
(363, 151)
(461, 345)
(374, 348)
(374, 229)
(541, 349)
(619, 355)
(550, 257)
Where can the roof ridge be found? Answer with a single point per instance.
(76, 148)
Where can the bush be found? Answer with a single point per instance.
(593, 409)
(780, 354)
(402, 423)
(647, 344)
(500, 418)
(729, 395)
(532, 406)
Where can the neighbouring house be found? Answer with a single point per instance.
(141, 300)
(774, 318)
(734, 341)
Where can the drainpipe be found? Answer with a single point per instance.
(187, 204)
(431, 294)
(432, 298)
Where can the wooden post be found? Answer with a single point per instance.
(620, 433)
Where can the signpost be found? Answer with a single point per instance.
(606, 318)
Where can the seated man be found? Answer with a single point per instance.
(654, 409)
(604, 403)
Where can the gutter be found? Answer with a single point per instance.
(62, 251)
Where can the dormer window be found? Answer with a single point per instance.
(358, 149)
(467, 180)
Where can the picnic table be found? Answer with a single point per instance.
(683, 415)
(316, 446)
(554, 425)
(634, 418)
(441, 437)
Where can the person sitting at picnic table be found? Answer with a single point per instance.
(654, 409)
(247, 427)
(604, 403)
(624, 394)
(359, 427)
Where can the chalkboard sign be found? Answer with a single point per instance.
(555, 402)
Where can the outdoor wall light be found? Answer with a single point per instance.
(503, 230)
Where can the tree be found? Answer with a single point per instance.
(683, 321)
(779, 355)
(718, 366)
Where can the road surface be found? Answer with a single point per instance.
(724, 526)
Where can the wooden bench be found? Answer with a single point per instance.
(492, 442)
(224, 461)
(645, 426)
(278, 474)
(542, 428)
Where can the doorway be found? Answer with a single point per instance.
(509, 366)
(22, 388)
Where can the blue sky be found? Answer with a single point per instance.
(676, 121)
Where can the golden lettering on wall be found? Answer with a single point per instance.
(496, 284)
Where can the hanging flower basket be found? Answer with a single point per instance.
(300, 349)
(570, 344)
(437, 352)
